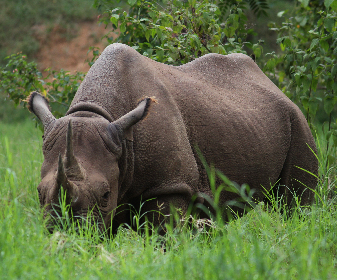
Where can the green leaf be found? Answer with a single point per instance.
(122, 28)
(271, 64)
(329, 104)
(334, 70)
(160, 55)
(314, 42)
(280, 14)
(334, 137)
(114, 19)
(303, 21)
(314, 84)
(194, 41)
(329, 24)
(334, 87)
(287, 42)
(257, 50)
(306, 83)
(325, 45)
(333, 6)
(152, 14)
(148, 34)
(132, 2)
(327, 3)
(305, 102)
(314, 63)
(328, 59)
(304, 2)
(313, 106)
(334, 34)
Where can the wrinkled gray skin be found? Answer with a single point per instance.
(225, 105)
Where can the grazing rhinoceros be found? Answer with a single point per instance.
(104, 156)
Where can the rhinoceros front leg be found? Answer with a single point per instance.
(158, 203)
(158, 211)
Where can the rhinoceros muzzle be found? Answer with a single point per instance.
(69, 170)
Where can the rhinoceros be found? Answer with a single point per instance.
(132, 132)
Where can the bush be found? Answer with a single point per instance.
(177, 32)
(173, 32)
(19, 78)
(306, 68)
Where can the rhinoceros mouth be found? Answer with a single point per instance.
(60, 219)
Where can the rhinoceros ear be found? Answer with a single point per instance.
(39, 105)
(126, 122)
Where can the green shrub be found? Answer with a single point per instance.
(173, 32)
(19, 78)
(177, 32)
(306, 68)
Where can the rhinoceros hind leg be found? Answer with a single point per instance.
(299, 173)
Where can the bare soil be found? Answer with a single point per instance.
(67, 49)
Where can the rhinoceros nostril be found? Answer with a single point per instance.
(106, 195)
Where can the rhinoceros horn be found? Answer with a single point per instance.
(61, 180)
(69, 170)
(73, 169)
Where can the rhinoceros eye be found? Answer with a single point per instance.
(105, 199)
(106, 195)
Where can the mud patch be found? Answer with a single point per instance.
(67, 48)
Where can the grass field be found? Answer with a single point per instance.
(261, 245)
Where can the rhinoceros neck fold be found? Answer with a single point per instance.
(90, 107)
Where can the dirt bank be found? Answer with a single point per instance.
(68, 50)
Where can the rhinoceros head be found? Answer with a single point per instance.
(82, 154)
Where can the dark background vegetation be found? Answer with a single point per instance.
(27, 26)
(293, 42)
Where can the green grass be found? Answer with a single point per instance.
(261, 245)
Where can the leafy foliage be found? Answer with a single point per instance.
(306, 69)
(173, 32)
(177, 32)
(20, 77)
(259, 7)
